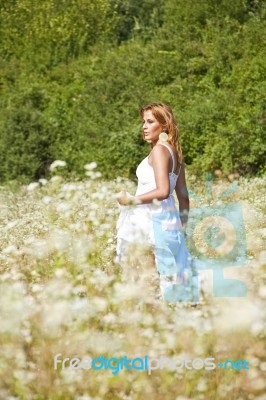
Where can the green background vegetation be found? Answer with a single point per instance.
(74, 74)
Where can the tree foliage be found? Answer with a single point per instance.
(75, 73)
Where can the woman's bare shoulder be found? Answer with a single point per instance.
(159, 151)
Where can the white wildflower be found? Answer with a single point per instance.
(56, 315)
(60, 240)
(12, 224)
(109, 318)
(24, 376)
(257, 328)
(63, 207)
(262, 292)
(60, 273)
(263, 366)
(36, 288)
(40, 248)
(125, 292)
(258, 384)
(69, 187)
(11, 249)
(99, 303)
(80, 248)
(56, 164)
(47, 199)
(15, 307)
(91, 166)
(202, 386)
(56, 178)
(43, 181)
(30, 240)
(32, 186)
(96, 175)
(262, 257)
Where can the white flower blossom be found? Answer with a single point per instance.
(56, 178)
(32, 186)
(91, 166)
(43, 181)
(64, 207)
(56, 164)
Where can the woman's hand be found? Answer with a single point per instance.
(126, 199)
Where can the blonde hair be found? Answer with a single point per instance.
(164, 115)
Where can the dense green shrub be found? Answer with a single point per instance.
(73, 91)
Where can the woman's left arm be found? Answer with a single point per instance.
(182, 196)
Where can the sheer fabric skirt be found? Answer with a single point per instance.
(160, 227)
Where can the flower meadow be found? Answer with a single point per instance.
(61, 292)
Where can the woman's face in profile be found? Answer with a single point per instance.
(151, 127)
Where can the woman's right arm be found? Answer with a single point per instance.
(182, 195)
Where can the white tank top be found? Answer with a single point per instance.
(146, 178)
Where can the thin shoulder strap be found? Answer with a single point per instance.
(172, 154)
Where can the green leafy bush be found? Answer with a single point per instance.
(73, 83)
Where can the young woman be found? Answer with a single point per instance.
(151, 216)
